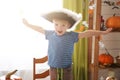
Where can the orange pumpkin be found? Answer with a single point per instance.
(113, 22)
(118, 3)
(82, 28)
(105, 59)
(90, 11)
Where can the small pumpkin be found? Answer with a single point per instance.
(90, 11)
(113, 22)
(105, 59)
(82, 28)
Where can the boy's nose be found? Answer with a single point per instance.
(59, 27)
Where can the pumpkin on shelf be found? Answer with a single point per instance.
(113, 22)
(105, 59)
(91, 7)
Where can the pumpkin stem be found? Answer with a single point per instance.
(114, 14)
(106, 50)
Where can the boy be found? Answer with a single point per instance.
(61, 42)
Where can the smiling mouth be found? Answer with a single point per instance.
(59, 31)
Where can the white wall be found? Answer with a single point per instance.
(18, 43)
(107, 10)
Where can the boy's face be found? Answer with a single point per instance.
(61, 26)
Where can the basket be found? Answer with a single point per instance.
(118, 60)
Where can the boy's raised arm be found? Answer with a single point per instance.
(34, 27)
(90, 33)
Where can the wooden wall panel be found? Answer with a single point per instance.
(111, 40)
(112, 43)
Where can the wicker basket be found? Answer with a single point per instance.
(118, 60)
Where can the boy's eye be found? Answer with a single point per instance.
(63, 25)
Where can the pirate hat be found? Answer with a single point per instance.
(64, 14)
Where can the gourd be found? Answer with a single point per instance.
(113, 22)
(105, 59)
(111, 78)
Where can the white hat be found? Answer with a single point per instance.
(64, 14)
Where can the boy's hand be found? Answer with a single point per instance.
(107, 31)
(25, 21)
(34, 27)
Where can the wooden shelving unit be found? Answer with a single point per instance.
(94, 23)
(95, 72)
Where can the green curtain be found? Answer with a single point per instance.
(80, 56)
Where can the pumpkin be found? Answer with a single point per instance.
(105, 59)
(90, 11)
(82, 28)
(113, 22)
(118, 3)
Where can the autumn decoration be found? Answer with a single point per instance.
(118, 59)
(114, 4)
(105, 59)
(118, 3)
(113, 22)
(91, 7)
(82, 27)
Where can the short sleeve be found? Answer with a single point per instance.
(75, 36)
(48, 34)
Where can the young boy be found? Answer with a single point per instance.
(61, 42)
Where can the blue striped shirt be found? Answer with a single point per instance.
(60, 48)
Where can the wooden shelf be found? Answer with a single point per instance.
(115, 65)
